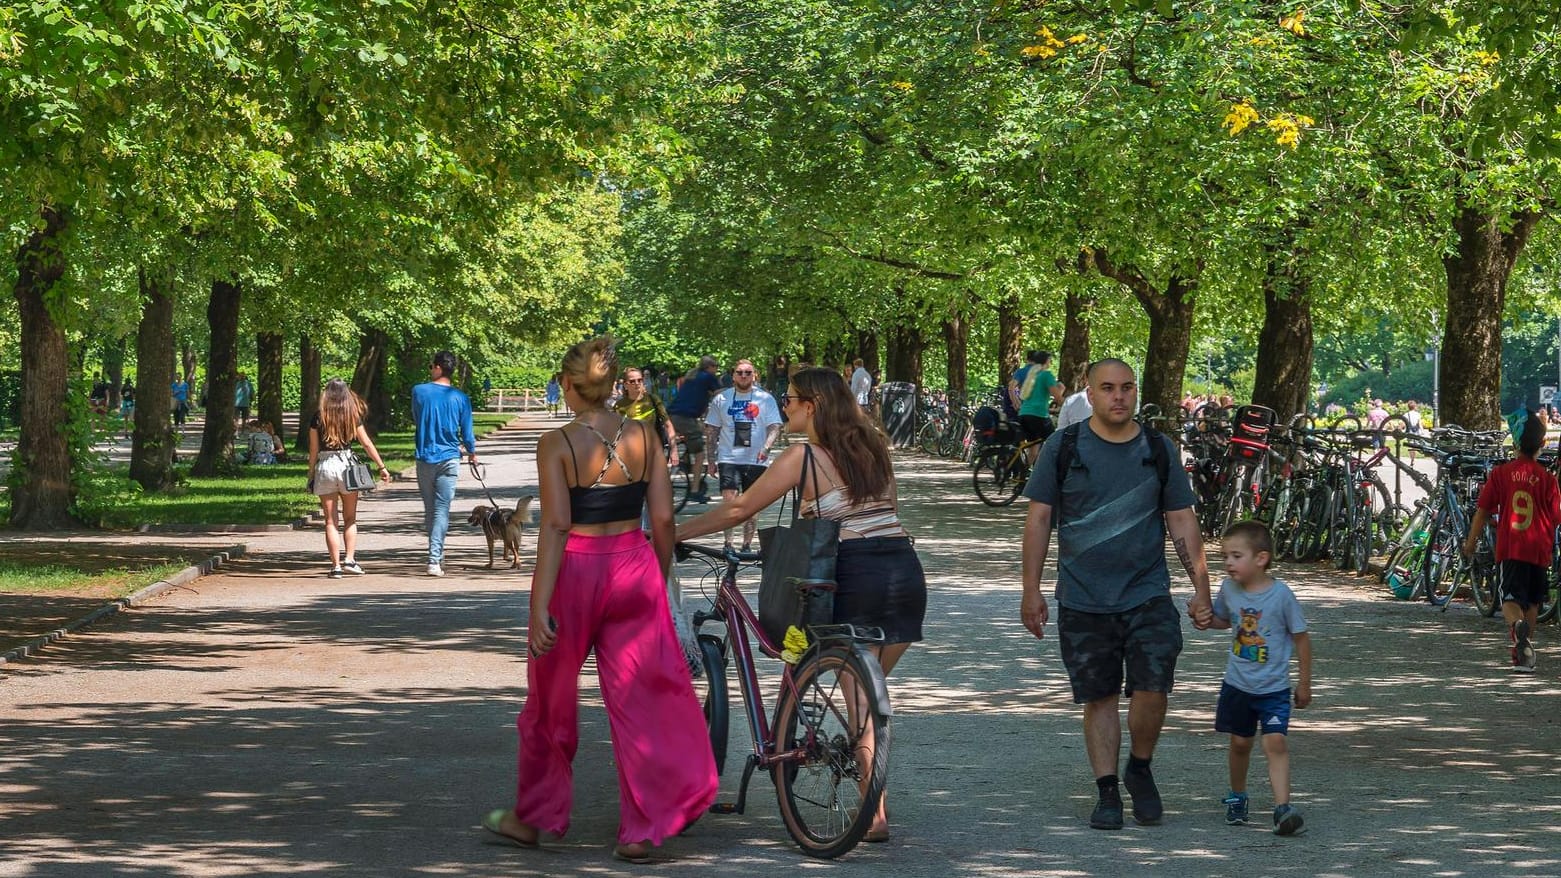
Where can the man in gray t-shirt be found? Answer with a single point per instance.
(1115, 620)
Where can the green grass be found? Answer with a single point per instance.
(260, 494)
(18, 577)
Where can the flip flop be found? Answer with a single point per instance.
(492, 821)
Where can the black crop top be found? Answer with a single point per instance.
(598, 503)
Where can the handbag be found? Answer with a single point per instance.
(357, 476)
(797, 584)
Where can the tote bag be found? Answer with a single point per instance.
(357, 476)
(797, 585)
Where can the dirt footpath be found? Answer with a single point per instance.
(274, 722)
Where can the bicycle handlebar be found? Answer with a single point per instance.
(731, 556)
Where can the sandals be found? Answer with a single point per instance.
(493, 823)
(638, 854)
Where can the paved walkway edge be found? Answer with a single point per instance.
(187, 575)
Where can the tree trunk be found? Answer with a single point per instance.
(152, 443)
(1170, 329)
(911, 346)
(41, 491)
(187, 362)
(268, 396)
(1010, 339)
(222, 313)
(1284, 350)
(867, 349)
(1074, 355)
(368, 376)
(308, 390)
(956, 342)
(1476, 293)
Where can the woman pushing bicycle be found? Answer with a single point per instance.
(879, 579)
(599, 584)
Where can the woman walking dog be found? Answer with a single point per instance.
(335, 427)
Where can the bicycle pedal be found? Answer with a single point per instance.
(723, 808)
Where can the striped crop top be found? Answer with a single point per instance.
(876, 519)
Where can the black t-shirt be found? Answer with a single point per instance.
(324, 444)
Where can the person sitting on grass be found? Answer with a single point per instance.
(1523, 498)
(1256, 690)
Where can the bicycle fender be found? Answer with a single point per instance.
(879, 684)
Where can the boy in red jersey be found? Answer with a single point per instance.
(1526, 502)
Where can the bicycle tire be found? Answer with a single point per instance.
(829, 714)
(995, 482)
(1441, 561)
(1485, 577)
(681, 485)
(1303, 544)
(1345, 422)
(1404, 542)
(1363, 522)
(718, 718)
(930, 437)
(1552, 600)
(1282, 524)
(1235, 500)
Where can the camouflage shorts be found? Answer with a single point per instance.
(1097, 646)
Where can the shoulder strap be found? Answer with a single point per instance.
(572, 461)
(1067, 450)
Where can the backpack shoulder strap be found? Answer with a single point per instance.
(1067, 452)
(1162, 460)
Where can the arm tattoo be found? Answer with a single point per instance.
(1182, 553)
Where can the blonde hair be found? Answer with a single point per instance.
(591, 366)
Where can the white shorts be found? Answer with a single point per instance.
(330, 473)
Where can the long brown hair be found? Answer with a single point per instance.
(859, 451)
(341, 411)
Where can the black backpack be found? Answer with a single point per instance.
(1068, 452)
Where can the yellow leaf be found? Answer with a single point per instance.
(1292, 23)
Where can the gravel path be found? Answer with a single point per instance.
(271, 721)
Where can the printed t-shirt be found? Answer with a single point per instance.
(1263, 624)
(743, 418)
(1523, 497)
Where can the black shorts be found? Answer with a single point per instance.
(1036, 427)
(1096, 647)
(879, 582)
(1523, 583)
(692, 430)
(739, 476)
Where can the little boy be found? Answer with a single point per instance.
(1256, 691)
(1524, 499)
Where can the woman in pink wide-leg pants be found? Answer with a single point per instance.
(599, 584)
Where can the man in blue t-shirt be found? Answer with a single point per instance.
(442, 424)
(1112, 511)
(687, 411)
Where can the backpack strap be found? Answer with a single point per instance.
(1068, 452)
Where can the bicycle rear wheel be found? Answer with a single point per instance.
(1548, 606)
(829, 795)
(930, 438)
(711, 689)
(1443, 561)
(1485, 579)
(681, 485)
(996, 482)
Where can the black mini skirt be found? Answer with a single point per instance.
(879, 582)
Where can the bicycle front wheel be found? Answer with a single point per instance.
(681, 485)
(930, 437)
(711, 687)
(996, 483)
(829, 793)
(1485, 580)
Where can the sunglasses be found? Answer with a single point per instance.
(786, 398)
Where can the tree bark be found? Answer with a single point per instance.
(1284, 351)
(152, 443)
(868, 349)
(187, 360)
(1170, 329)
(1010, 339)
(308, 390)
(222, 313)
(1476, 294)
(368, 376)
(41, 491)
(1075, 355)
(268, 395)
(956, 342)
(114, 371)
(905, 347)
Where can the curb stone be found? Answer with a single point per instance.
(188, 574)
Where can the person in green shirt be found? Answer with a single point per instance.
(1036, 388)
(640, 404)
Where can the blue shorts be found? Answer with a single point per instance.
(1240, 713)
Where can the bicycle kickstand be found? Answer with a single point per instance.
(742, 791)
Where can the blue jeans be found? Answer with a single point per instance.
(436, 482)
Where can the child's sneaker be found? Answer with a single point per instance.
(1523, 658)
(1235, 809)
(1287, 820)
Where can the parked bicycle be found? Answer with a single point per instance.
(827, 748)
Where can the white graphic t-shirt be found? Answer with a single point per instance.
(1264, 624)
(743, 418)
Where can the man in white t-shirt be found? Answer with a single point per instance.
(742, 424)
(1075, 407)
(862, 385)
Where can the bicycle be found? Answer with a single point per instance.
(827, 748)
(1001, 471)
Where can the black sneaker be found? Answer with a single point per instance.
(335, 573)
(1147, 809)
(1108, 812)
(1287, 820)
(1523, 658)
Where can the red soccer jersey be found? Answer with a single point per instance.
(1526, 501)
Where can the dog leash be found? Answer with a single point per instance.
(477, 470)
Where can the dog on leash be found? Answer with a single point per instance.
(503, 526)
